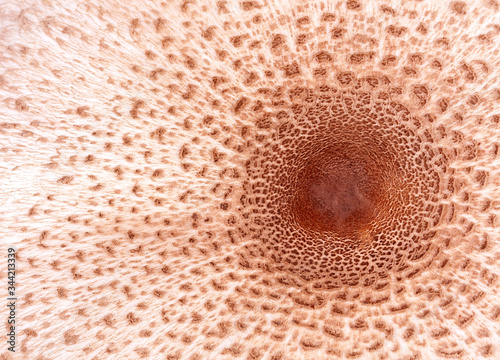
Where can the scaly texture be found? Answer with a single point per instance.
(252, 179)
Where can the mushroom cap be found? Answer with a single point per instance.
(251, 179)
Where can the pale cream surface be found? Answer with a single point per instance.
(125, 131)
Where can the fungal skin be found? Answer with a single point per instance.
(252, 180)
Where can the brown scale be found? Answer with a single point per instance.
(343, 192)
